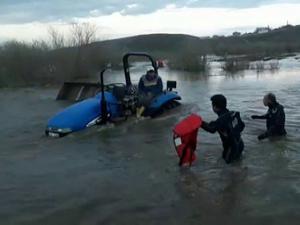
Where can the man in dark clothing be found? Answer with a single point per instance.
(275, 117)
(229, 126)
(150, 85)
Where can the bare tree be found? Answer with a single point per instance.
(82, 34)
(57, 39)
(40, 45)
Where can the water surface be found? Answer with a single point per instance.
(128, 173)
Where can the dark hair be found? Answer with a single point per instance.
(271, 97)
(151, 71)
(219, 101)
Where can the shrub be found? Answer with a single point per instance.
(233, 64)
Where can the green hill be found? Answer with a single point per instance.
(281, 40)
(27, 64)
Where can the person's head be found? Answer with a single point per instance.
(151, 75)
(269, 99)
(218, 103)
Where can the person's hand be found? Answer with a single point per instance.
(261, 137)
(254, 117)
(203, 124)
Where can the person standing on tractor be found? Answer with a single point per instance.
(150, 85)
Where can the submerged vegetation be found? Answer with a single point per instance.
(234, 64)
(192, 63)
(79, 56)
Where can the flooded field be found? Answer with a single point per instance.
(128, 173)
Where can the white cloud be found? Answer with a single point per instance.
(189, 2)
(132, 6)
(201, 21)
(94, 12)
(171, 19)
(170, 6)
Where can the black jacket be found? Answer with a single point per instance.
(275, 117)
(229, 126)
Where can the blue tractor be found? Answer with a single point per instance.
(108, 103)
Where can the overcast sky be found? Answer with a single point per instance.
(30, 19)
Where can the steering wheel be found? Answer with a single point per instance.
(110, 87)
(133, 89)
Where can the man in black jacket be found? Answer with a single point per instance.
(229, 126)
(150, 85)
(275, 117)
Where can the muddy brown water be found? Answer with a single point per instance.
(128, 173)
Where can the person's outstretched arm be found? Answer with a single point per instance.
(259, 117)
(211, 127)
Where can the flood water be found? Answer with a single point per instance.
(128, 173)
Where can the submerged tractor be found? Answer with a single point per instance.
(107, 103)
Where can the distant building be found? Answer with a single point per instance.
(236, 34)
(262, 30)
